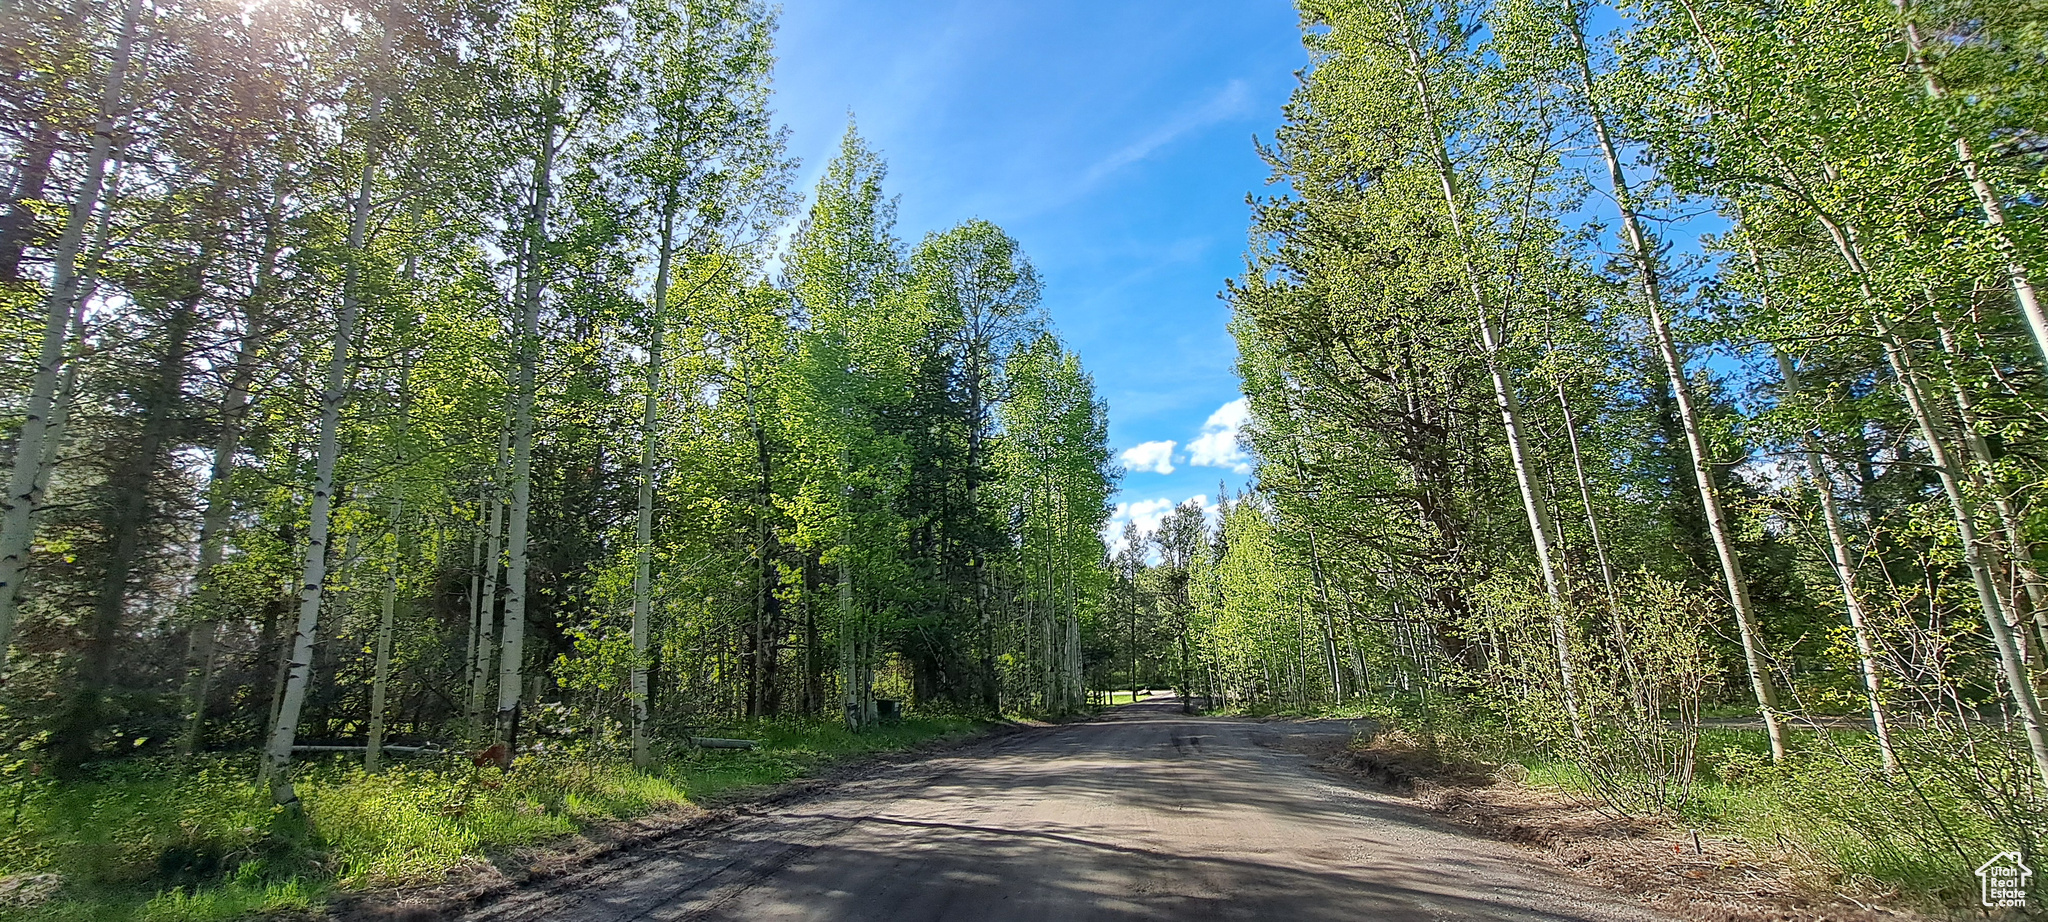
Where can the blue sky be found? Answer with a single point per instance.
(1113, 139)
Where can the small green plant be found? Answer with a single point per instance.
(198, 841)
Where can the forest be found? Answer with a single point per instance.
(426, 422)
(417, 377)
(1654, 392)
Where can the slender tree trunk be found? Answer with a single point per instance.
(270, 658)
(514, 635)
(1571, 432)
(473, 652)
(2023, 290)
(1734, 579)
(313, 579)
(380, 678)
(1541, 531)
(19, 226)
(1131, 581)
(1315, 571)
(1843, 563)
(761, 664)
(814, 692)
(2012, 668)
(2021, 585)
(17, 527)
(1996, 618)
(494, 560)
(220, 505)
(643, 531)
(848, 644)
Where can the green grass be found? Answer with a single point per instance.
(197, 841)
(1832, 812)
(1124, 696)
(1378, 709)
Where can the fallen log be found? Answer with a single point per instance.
(712, 742)
(412, 749)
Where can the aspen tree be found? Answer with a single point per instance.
(214, 521)
(1734, 580)
(1980, 185)
(17, 507)
(493, 562)
(313, 573)
(1912, 387)
(1541, 530)
(1841, 561)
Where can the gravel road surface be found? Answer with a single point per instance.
(1142, 813)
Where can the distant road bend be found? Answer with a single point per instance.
(1142, 813)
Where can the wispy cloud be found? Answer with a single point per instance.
(1217, 445)
(1156, 457)
(1233, 100)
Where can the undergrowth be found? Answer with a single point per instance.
(1830, 809)
(195, 840)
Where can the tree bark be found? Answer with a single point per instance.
(1734, 579)
(1541, 530)
(17, 507)
(2021, 583)
(516, 596)
(2012, 668)
(214, 521)
(1843, 563)
(313, 579)
(494, 560)
(18, 227)
(380, 677)
(2028, 298)
(643, 531)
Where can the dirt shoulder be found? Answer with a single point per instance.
(1656, 861)
(479, 882)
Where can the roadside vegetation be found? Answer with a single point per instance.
(195, 840)
(420, 420)
(1631, 387)
(1826, 816)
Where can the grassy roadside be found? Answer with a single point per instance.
(1828, 820)
(196, 841)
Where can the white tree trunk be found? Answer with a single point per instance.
(494, 560)
(213, 529)
(1843, 562)
(1996, 619)
(380, 678)
(1987, 197)
(17, 506)
(1541, 530)
(214, 521)
(514, 636)
(472, 653)
(1733, 578)
(313, 579)
(2020, 582)
(643, 532)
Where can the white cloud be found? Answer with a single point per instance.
(1156, 457)
(1148, 513)
(1217, 445)
(1145, 512)
(1231, 101)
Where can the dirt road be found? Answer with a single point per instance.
(1140, 814)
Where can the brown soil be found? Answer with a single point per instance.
(1664, 865)
(479, 881)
